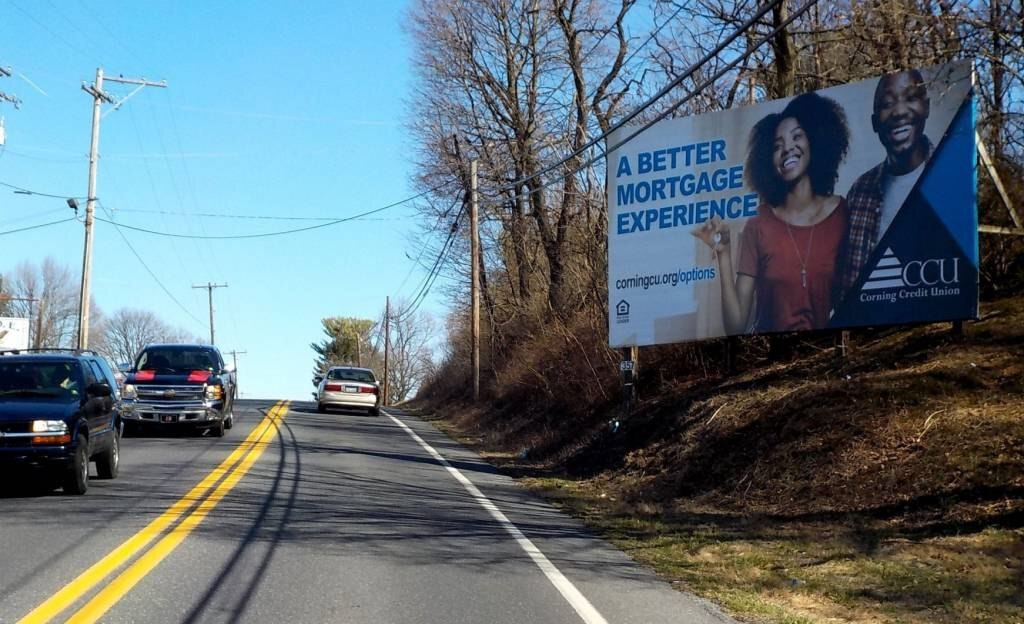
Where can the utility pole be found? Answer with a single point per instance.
(5, 72)
(234, 357)
(98, 98)
(234, 362)
(387, 345)
(474, 245)
(209, 287)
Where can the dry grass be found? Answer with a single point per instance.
(886, 487)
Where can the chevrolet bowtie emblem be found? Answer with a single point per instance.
(169, 394)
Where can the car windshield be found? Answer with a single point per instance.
(53, 380)
(350, 374)
(176, 360)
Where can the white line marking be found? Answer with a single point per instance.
(565, 587)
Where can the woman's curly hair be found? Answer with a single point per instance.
(824, 123)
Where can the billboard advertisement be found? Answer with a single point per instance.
(13, 333)
(850, 206)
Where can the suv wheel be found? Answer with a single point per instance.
(107, 463)
(374, 411)
(230, 422)
(320, 408)
(76, 478)
(218, 429)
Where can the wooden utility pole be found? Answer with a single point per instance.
(98, 98)
(387, 345)
(474, 245)
(5, 72)
(209, 287)
(234, 363)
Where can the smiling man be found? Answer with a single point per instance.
(901, 109)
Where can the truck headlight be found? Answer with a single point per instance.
(128, 392)
(49, 426)
(215, 392)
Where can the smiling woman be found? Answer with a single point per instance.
(787, 256)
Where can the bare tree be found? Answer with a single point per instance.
(54, 311)
(128, 330)
(409, 361)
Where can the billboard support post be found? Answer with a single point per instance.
(842, 343)
(628, 368)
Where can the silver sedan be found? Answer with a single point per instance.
(349, 387)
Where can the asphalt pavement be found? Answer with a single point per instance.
(296, 516)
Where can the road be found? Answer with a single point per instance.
(296, 516)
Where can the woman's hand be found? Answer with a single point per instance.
(714, 233)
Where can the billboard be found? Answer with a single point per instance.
(13, 333)
(850, 206)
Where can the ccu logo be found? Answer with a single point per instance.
(891, 273)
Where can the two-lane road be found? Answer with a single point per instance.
(296, 516)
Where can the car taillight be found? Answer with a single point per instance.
(368, 390)
(332, 388)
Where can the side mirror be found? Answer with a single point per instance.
(317, 380)
(99, 390)
(228, 368)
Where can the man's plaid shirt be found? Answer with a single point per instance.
(865, 204)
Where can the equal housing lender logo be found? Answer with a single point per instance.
(892, 280)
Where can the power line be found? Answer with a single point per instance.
(701, 86)
(24, 191)
(435, 270)
(36, 227)
(146, 266)
(283, 232)
(225, 215)
(662, 92)
(645, 126)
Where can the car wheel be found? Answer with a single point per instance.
(374, 411)
(218, 429)
(230, 422)
(320, 408)
(76, 479)
(108, 462)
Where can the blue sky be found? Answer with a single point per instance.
(272, 109)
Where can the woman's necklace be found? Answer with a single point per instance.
(804, 258)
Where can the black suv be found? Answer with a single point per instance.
(59, 410)
(174, 385)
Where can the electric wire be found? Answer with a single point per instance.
(435, 270)
(25, 191)
(284, 232)
(36, 227)
(146, 266)
(432, 276)
(646, 125)
(423, 250)
(675, 82)
(693, 93)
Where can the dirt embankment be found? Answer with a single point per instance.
(903, 463)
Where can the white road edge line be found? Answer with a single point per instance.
(564, 586)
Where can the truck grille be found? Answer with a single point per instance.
(169, 393)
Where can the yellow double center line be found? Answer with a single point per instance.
(250, 450)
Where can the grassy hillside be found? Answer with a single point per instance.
(884, 487)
